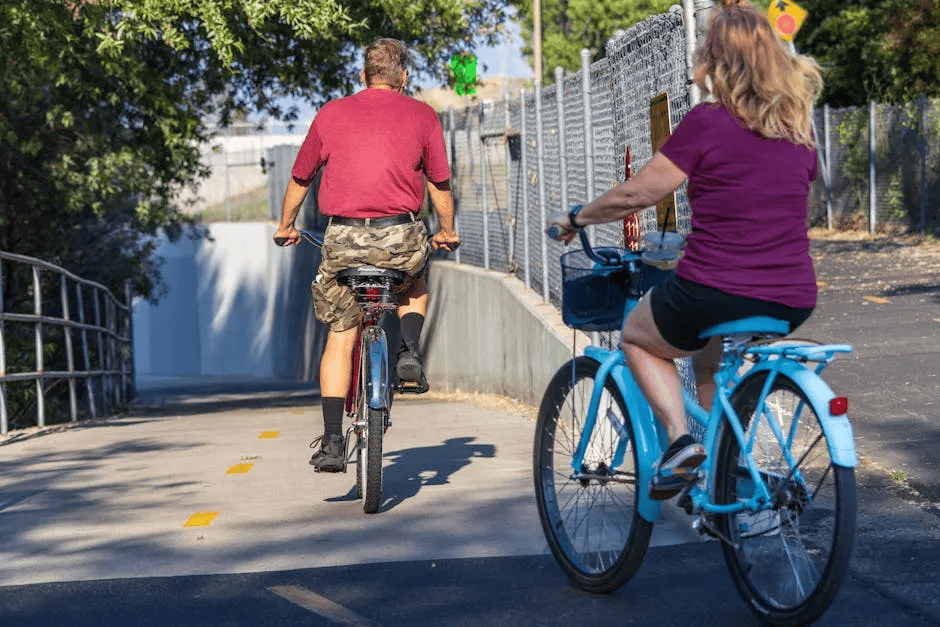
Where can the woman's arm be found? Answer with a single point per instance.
(657, 178)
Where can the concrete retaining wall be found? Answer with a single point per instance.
(486, 332)
(239, 306)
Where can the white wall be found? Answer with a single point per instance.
(234, 307)
(240, 306)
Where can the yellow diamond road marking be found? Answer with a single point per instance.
(239, 469)
(201, 519)
(876, 299)
(268, 435)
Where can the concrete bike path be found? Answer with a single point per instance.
(112, 499)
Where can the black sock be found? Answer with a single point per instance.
(411, 325)
(333, 408)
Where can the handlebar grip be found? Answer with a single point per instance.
(554, 231)
(280, 241)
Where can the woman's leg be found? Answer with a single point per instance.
(651, 361)
(705, 365)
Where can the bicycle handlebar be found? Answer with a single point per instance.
(305, 234)
(602, 257)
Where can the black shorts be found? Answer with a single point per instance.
(683, 309)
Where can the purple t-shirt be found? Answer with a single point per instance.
(749, 204)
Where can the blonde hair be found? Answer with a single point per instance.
(385, 60)
(755, 77)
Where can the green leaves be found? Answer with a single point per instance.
(106, 104)
(570, 25)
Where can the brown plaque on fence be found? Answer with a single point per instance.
(660, 130)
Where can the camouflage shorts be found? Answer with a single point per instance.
(403, 247)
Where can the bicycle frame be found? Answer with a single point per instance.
(650, 437)
(377, 379)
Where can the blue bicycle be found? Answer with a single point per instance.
(777, 489)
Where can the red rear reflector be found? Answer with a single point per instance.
(838, 406)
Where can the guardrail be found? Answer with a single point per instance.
(112, 379)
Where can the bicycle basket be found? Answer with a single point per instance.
(593, 297)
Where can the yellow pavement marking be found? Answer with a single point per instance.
(268, 435)
(239, 469)
(298, 412)
(876, 299)
(313, 602)
(201, 519)
(821, 284)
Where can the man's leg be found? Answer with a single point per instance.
(335, 375)
(412, 308)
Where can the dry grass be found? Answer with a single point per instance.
(488, 401)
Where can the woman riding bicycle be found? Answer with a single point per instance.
(749, 158)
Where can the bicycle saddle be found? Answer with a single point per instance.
(370, 272)
(755, 325)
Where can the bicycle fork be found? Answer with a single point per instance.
(646, 433)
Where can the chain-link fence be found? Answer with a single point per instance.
(519, 159)
(516, 160)
(888, 180)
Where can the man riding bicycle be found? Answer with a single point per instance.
(376, 149)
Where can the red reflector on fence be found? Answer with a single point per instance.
(838, 406)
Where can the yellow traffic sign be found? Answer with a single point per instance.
(786, 18)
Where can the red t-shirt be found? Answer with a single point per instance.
(749, 203)
(377, 146)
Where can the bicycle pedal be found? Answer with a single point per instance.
(412, 388)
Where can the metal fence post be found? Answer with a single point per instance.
(588, 128)
(540, 136)
(112, 353)
(37, 309)
(872, 146)
(510, 218)
(452, 123)
(827, 166)
(101, 362)
(89, 385)
(923, 163)
(70, 361)
(562, 144)
(524, 174)
(132, 372)
(3, 365)
(486, 206)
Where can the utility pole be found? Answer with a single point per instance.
(537, 39)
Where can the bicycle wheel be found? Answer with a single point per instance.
(787, 562)
(371, 424)
(590, 521)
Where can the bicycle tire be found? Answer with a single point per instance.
(787, 562)
(371, 452)
(592, 526)
(361, 423)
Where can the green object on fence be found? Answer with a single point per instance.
(465, 69)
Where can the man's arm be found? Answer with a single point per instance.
(293, 200)
(443, 203)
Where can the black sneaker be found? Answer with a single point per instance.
(409, 368)
(332, 454)
(676, 468)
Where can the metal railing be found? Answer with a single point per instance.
(106, 343)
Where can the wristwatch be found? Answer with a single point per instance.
(572, 214)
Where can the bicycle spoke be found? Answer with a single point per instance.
(788, 558)
(588, 513)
